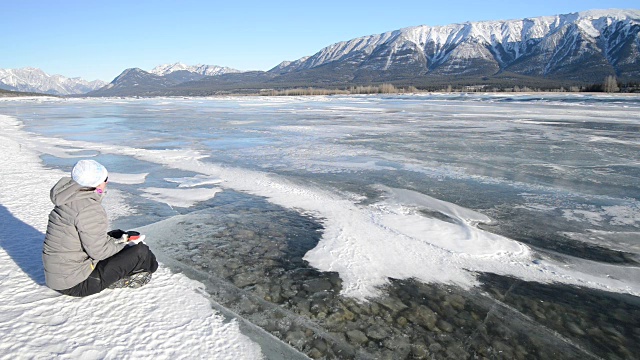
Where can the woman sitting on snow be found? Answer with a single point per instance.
(80, 258)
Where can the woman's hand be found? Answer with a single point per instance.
(116, 234)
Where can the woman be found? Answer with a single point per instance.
(79, 257)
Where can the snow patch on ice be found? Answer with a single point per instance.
(618, 215)
(592, 217)
(623, 215)
(459, 236)
(179, 197)
(129, 179)
(194, 181)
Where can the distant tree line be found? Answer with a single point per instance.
(9, 93)
(610, 85)
(369, 89)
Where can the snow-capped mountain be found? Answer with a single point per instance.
(205, 70)
(136, 81)
(35, 80)
(288, 65)
(133, 81)
(571, 46)
(550, 51)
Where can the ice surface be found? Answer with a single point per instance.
(396, 236)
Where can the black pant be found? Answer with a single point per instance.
(130, 260)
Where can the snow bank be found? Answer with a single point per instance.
(170, 318)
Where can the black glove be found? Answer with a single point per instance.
(116, 234)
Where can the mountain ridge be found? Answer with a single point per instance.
(501, 43)
(29, 79)
(576, 49)
(35, 80)
(201, 69)
(134, 81)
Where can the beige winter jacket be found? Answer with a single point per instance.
(76, 236)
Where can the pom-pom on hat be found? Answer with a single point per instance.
(89, 173)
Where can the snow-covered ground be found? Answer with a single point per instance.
(170, 318)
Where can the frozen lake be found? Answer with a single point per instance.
(383, 226)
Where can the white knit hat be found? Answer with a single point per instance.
(89, 173)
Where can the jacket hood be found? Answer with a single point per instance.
(67, 190)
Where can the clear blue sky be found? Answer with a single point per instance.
(99, 39)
